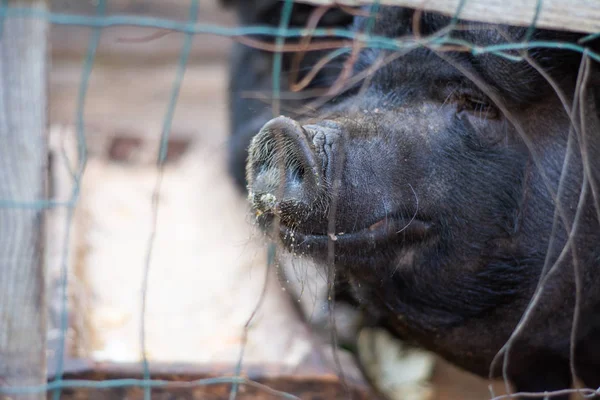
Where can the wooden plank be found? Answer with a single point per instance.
(135, 45)
(305, 383)
(23, 161)
(311, 367)
(571, 15)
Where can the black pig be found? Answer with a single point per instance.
(437, 183)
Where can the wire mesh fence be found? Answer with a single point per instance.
(303, 44)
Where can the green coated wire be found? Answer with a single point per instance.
(142, 383)
(162, 155)
(159, 23)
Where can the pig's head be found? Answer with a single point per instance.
(435, 184)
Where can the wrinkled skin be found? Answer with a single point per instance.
(441, 173)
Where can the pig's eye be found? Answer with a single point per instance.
(478, 107)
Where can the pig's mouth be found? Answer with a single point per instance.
(392, 229)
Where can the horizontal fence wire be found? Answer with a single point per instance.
(190, 28)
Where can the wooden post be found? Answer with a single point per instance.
(571, 15)
(23, 163)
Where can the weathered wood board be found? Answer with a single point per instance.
(574, 15)
(194, 382)
(23, 172)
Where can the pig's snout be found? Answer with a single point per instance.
(287, 168)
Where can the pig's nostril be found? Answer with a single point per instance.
(282, 163)
(295, 173)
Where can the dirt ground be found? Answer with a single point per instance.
(208, 266)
